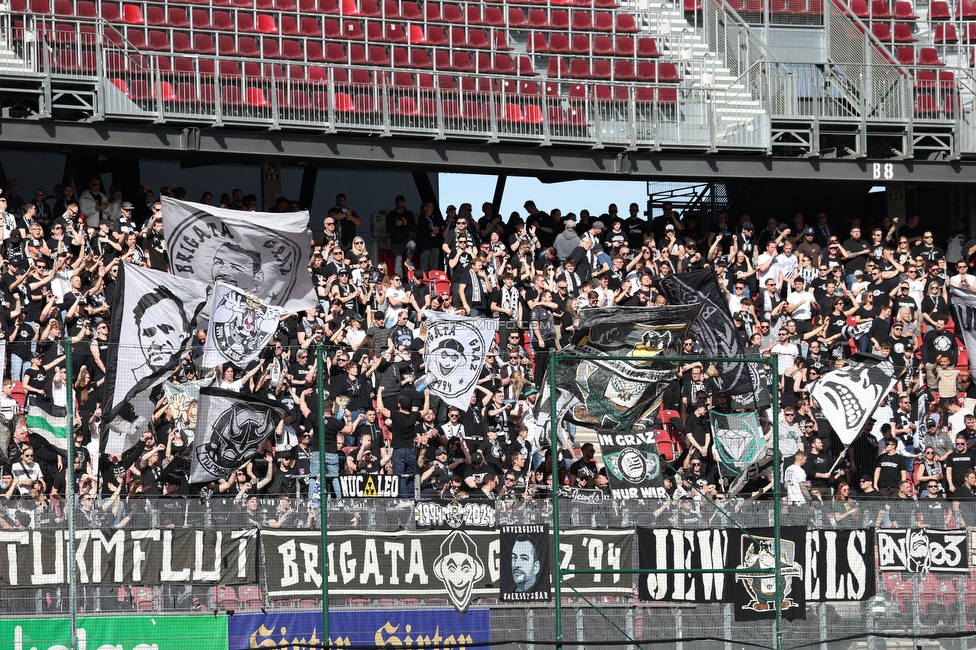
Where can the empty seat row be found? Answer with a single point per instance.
(927, 56)
(646, 47)
(928, 105)
(940, 10)
(431, 12)
(901, 34)
(619, 70)
(881, 10)
(947, 34)
(800, 7)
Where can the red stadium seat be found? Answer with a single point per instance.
(925, 80)
(559, 44)
(625, 23)
(926, 105)
(132, 15)
(581, 21)
(247, 46)
(623, 70)
(905, 55)
(559, 19)
(538, 19)
(603, 45)
(516, 17)
(292, 50)
(647, 48)
(580, 44)
(903, 33)
(200, 19)
(929, 56)
(880, 10)
(882, 32)
(558, 68)
(523, 67)
(939, 10)
(536, 43)
(601, 69)
(905, 11)
(202, 44)
(945, 34)
(452, 14)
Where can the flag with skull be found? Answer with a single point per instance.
(454, 355)
(231, 429)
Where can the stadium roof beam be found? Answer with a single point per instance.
(230, 145)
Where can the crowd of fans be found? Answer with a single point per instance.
(812, 292)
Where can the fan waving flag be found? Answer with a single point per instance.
(454, 355)
(240, 326)
(262, 253)
(849, 396)
(49, 422)
(152, 320)
(231, 428)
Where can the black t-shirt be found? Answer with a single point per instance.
(959, 463)
(880, 291)
(404, 428)
(21, 346)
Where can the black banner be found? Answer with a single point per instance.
(117, 557)
(754, 592)
(838, 565)
(458, 565)
(524, 557)
(365, 486)
(451, 515)
(920, 550)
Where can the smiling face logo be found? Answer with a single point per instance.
(459, 567)
(850, 395)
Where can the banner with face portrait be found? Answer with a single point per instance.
(849, 396)
(231, 428)
(264, 254)
(152, 321)
(240, 326)
(454, 355)
(524, 561)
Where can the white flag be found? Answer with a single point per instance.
(240, 326)
(152, 322)
(231, 428)
(850, 395)
(454, 355)
(262, 253)
(964, 308)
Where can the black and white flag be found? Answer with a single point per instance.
(964, 307)
(184, 402)
(239, 328)
(231, 428)
(850, 395)
(152, 322)
(262, 253)
(454, 355)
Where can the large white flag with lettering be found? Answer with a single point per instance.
(454, 355)
(240, 326)
(265, 254)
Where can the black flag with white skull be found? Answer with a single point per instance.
(850, 395)
(231, 428)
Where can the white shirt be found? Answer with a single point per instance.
(786, 352)
(794, 478)
(804, 299)
(31, 471)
